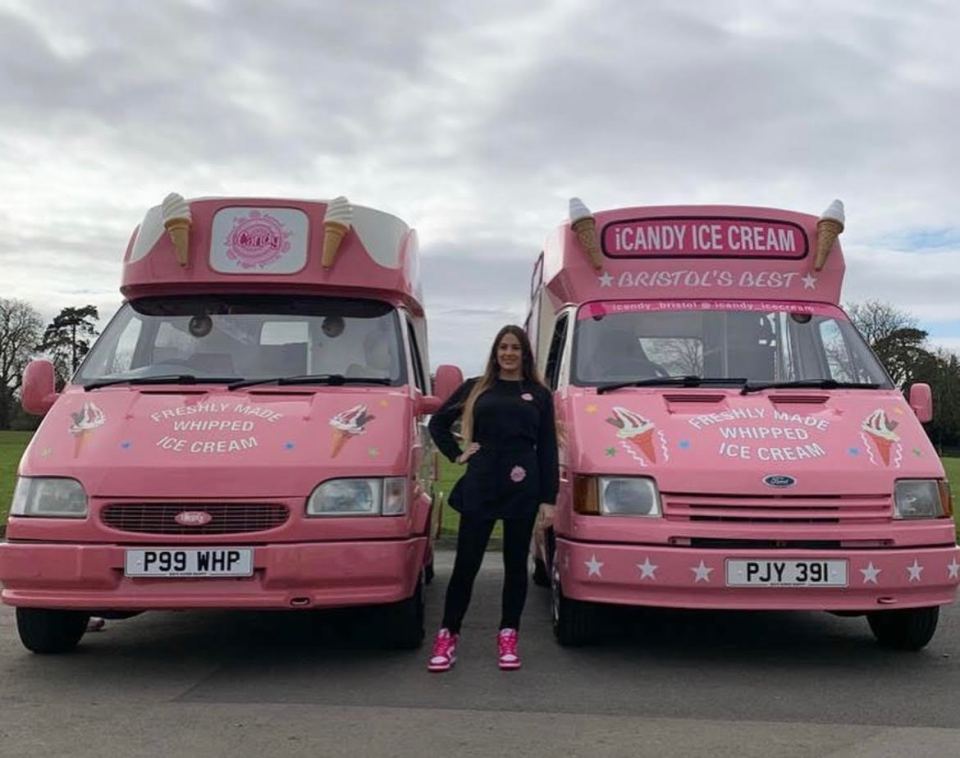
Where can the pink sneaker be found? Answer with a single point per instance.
(444, 653)
(507, 649)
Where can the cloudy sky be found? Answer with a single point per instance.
(475, 122)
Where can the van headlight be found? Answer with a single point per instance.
(359, 497)
(629, 496)
(49, 497)
(921, 498)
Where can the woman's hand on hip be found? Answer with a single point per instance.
(546, 514)
(465, 456)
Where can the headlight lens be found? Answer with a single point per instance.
(919, 498)
(359, 497)
(49, 497)
(629, 496)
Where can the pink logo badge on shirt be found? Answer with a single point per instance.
(526, 396)
(518, 473)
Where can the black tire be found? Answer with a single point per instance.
(575, 622)
(541, 577)
(46, 631)
(403, 621)
(906, 629)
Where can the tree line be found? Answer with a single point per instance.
(23, 337)
(892, 333)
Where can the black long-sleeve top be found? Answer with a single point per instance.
(516, 467)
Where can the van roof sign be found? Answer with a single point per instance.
(704, 237)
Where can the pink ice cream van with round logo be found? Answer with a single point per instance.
(729, 441)
(246, 433)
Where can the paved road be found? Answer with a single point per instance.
(663, 684)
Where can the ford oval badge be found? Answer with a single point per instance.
(779, 480)
(193, 518)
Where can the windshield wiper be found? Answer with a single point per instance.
(334, 380)
(162, 379)
(821, 384)
(689, 380)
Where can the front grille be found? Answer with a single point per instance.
(227, 518)
(788, 509)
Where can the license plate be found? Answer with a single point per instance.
(786, 573)
(187, 562)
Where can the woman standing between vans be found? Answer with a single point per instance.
(510, 438)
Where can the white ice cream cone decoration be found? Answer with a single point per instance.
(829, 228)
(584, 225)
(636, 431)
(85, 421)
(880, 431)
(336, 224)
(177, 221)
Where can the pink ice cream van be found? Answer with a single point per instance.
(244, 434)
(729, 440)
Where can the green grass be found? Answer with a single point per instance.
(12, 445)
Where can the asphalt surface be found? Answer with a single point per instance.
(661, 683)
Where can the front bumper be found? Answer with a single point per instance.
(307, 575)
(696, 578)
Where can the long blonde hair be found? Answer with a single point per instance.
(528, 371)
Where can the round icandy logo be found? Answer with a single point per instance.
(257, 240)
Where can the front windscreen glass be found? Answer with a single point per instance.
(764, 345)
(248, 337)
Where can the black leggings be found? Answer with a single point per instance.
(471, 543)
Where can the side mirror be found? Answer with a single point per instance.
(921, 401)
(39, 389)
(445, 383)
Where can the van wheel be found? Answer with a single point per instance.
(47, 631)
(907, 629)
(541, 577)
(403, 621)
(575, 622)
(428, 572)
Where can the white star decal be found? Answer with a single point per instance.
(915, 570)
(809, 282)
(647, 570)
(606, 280)
(870, 573)
(702, 572)
(593, 566)
(954, 569)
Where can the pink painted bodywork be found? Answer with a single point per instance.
(710, 449)
(203, 445)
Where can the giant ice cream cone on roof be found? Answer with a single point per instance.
(879, 430)
(636, 431)
(177, 220)
(584, 225)
(336, 224)
(829, 228)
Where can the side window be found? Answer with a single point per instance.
(552, 371)
(418, 373)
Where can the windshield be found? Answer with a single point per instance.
(769, 344)
(248, 337)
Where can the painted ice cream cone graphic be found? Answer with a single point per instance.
(636, 431)
(85, 421)
(347, 425)
(879, 430)
(177, 221)
(336, 224)
(829, 228)
(584, 225)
